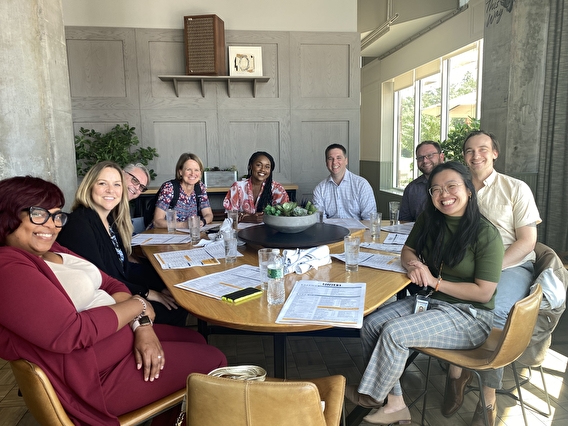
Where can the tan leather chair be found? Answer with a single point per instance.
(214, 401)
(43, 403)
(550, 273)
(501, 348)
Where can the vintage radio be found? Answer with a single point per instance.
(204, 38)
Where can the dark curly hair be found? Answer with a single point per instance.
(265, 198)
(20, 193)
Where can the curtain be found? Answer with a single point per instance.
(552, 184)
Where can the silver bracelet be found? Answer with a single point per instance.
(143, 305)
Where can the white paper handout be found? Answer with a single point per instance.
(158, 239)
(403, 228)
(391, 248)
(385, 262)
(334, 304)
(201, 256)
(220, 283)
(348, 223)
(394, 238)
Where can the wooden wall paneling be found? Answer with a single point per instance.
(161, 52)
(326, 70)
(275, 59)
(242, 133)
(102, 68)
(312, 132)
(174, 132)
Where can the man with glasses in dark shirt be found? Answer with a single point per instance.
(428, 155)
(136, 177)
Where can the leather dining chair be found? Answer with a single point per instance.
(551, 274)
(213, 401)
(501, 348)
(43, 403)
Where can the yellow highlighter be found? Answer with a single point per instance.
(242, 295)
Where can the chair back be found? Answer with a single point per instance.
(213, 401)
(550, 273)
(46, 408)
(39, 395)
(518, 330)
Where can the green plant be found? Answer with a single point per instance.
(116, 145)
(452, 146)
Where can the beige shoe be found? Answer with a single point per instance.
(379, 417)
(361, 399)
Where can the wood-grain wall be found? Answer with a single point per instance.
(311, 100)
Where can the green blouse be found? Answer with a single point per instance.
(483, 260)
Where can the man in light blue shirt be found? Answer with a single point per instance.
(343, 194)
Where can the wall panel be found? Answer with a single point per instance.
(310, 101)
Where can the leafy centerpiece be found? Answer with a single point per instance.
(289, 217)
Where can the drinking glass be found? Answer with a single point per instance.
(171, 220)
(265, 257)
(234, 216)
(230, 242)
(394, 209)
(194, 225)
(375, 224)
(351, 246)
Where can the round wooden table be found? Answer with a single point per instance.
(257, 315)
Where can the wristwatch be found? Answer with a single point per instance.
(144, 320)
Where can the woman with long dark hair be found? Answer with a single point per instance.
(252, 195)
(455, 253)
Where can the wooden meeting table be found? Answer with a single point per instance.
(256, 315)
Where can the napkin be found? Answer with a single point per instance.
(301, 261)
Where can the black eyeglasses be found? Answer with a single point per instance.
(136, 182)
(427, 157)
(39, 216)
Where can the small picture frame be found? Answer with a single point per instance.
(245, 61)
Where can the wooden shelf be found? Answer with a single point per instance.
(175, 79)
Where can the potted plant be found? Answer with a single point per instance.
(216, 177)
(116, 145)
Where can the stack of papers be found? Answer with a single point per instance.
(404, 228)
(348, 223)
(158, 239)
(333, 304)
(202, 256)
(385, 262)
(218, 284)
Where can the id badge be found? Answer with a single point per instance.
(420, 304)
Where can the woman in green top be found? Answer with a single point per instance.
(455, 253)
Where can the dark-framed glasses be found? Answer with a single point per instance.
(427, 157)
(136, 182)
(451, 188)
(39, 216)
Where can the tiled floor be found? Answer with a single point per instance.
(320, 356)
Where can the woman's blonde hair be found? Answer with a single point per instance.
(120, 214)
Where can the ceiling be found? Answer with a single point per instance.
(396, 21)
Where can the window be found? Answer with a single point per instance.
(429, 101)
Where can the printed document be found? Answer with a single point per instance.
(220, 283)
(316, 302)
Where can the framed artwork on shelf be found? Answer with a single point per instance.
(245, 61)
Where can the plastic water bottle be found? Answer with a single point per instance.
(276, 291)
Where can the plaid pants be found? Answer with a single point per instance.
(389, 332)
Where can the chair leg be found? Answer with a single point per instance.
(522, 381)
(482, 397)
(516, 376)
(425, 392)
